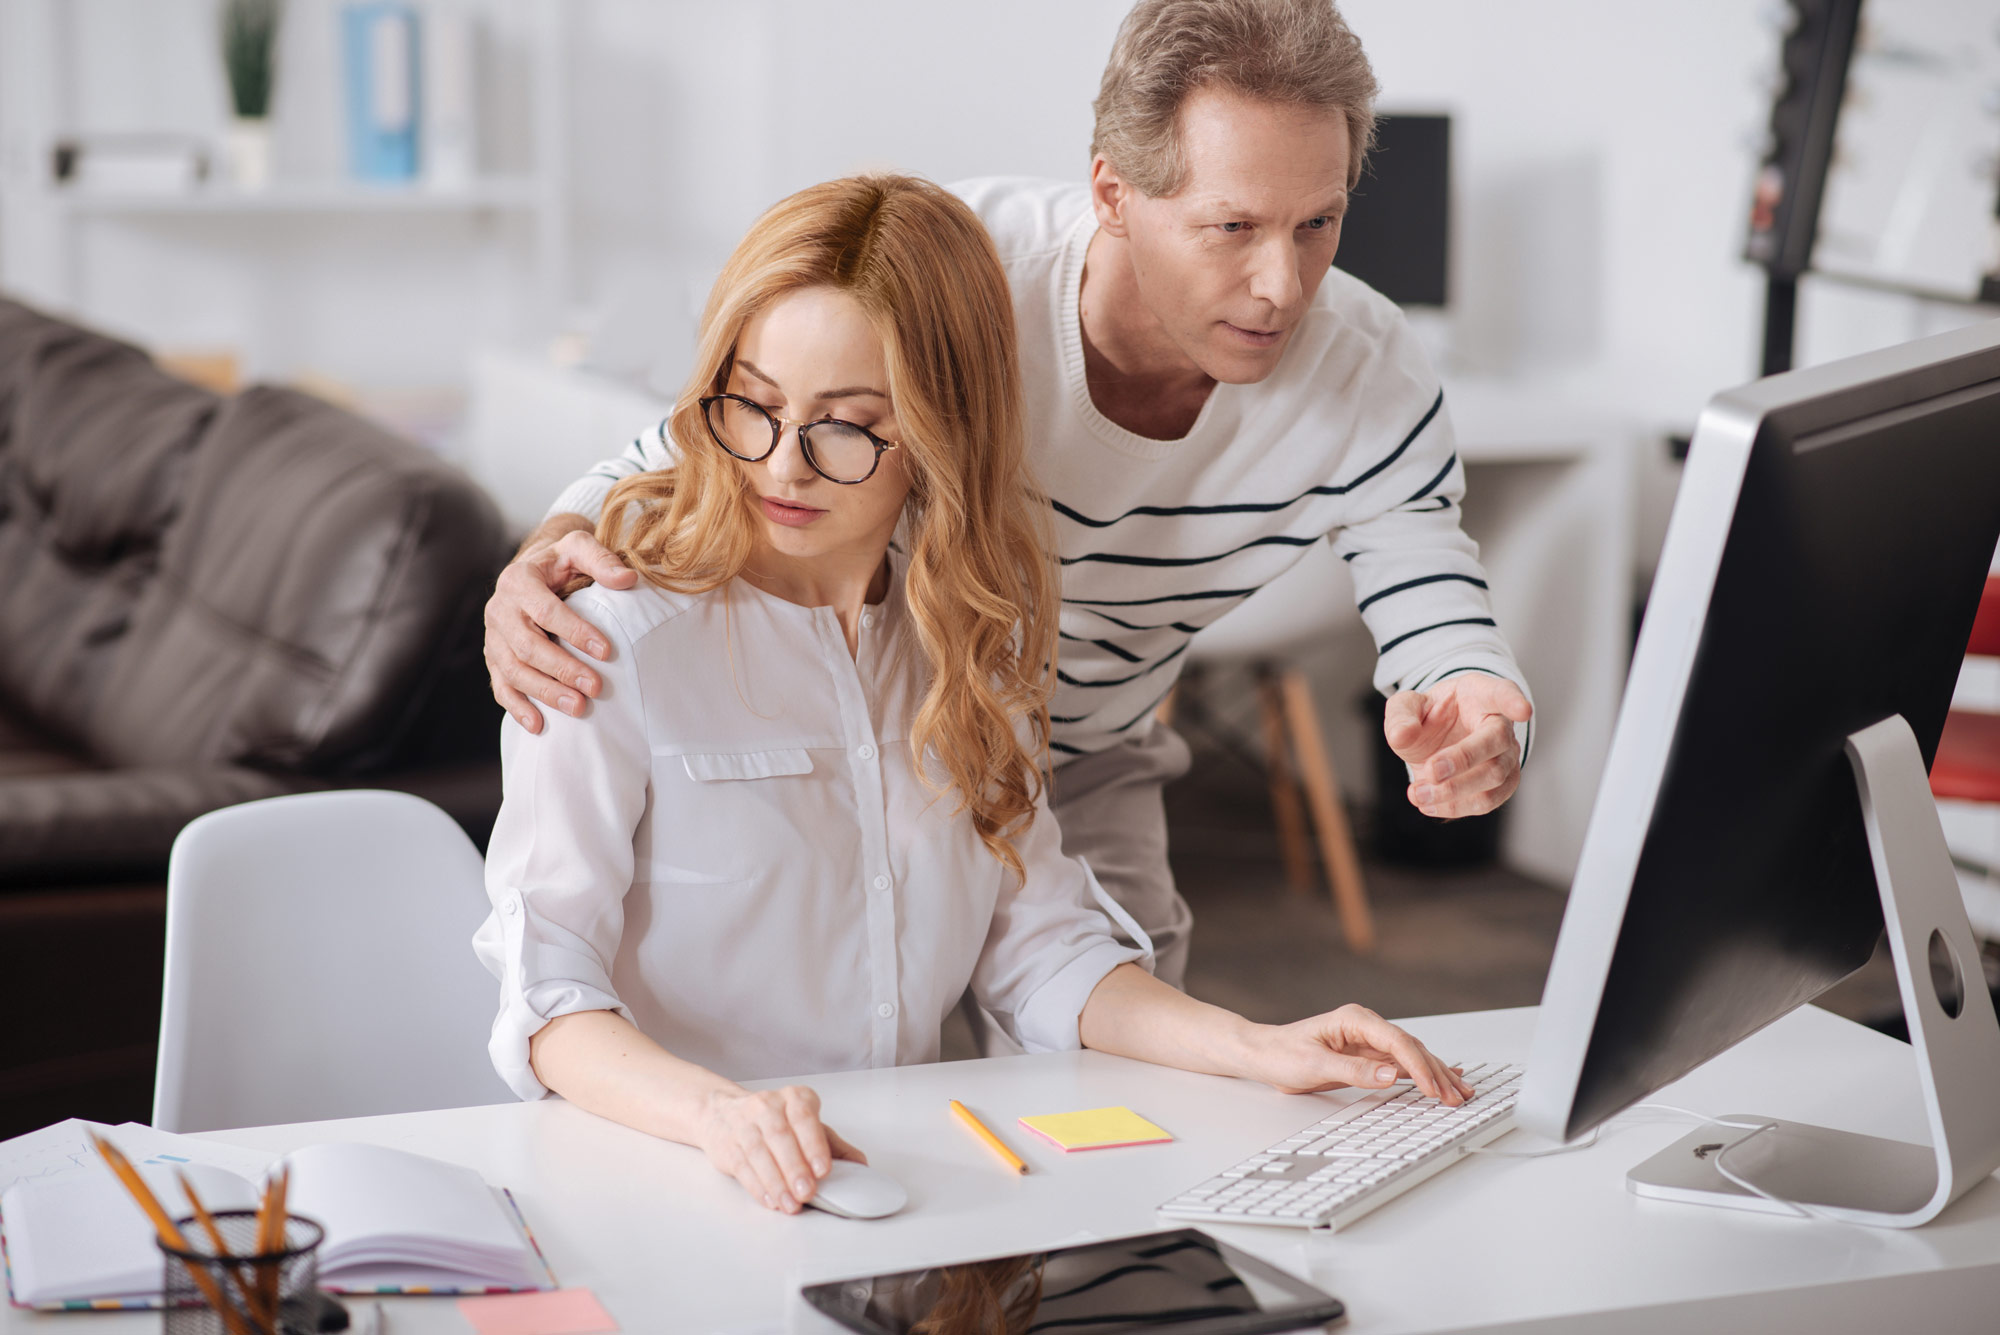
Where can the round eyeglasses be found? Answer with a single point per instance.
(838, 451)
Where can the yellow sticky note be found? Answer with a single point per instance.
(1095, 1129)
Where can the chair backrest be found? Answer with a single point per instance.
(319, 964)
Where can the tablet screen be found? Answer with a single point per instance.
(1184, 1279)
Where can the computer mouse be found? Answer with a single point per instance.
(856, 1191)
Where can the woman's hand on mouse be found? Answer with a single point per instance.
(772, 1141)
(1349, 1046)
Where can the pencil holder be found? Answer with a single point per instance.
(260, 1293)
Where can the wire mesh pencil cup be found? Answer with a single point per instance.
(261, 1291)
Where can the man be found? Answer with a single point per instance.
(1206, 397)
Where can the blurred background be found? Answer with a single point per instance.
(488, 226)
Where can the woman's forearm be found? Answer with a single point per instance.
(1133, 1014)
(770, 1140)
(601, 1062)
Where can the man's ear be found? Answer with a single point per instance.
(1110, 196)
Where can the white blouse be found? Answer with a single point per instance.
(735, 851)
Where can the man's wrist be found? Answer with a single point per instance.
(551, 531)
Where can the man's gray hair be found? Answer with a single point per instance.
(1292, 52)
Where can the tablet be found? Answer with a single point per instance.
(1184, 1279)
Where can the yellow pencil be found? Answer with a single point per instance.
(964, 1114)
(163, 1224)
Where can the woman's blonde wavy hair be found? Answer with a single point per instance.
(981, 586)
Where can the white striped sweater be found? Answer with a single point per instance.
(1349, 439)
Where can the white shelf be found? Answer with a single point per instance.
(502, 192)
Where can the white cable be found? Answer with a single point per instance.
(1583, 1144)
(1755, 1129)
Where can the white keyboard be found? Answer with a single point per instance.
(1371, 1151)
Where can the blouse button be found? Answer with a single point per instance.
(885, 1010)
(881, 883)
(866, 752)
(511, 907)
(867, 620)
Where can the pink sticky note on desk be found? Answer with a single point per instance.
(560, 1312)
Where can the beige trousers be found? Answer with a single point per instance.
(1109, 806)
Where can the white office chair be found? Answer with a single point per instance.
(1267, 633)
(319, 964)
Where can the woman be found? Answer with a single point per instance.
(805, 812)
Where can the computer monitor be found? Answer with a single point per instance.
(1397, 234)
(1765, 802)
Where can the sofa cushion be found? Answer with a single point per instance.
(322, 577)
(27, 752)
(90, 824)
(94, 445)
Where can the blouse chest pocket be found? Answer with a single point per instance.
(728, 766)
(722, 816)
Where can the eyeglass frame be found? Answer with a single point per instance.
(778, 425)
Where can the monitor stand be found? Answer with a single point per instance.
(1866, 1179)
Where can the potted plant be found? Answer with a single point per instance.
(250, 55)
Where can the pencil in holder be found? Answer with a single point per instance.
(268, 1292)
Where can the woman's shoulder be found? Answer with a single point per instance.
(634, 614)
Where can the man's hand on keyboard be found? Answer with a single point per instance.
(1349, 1046)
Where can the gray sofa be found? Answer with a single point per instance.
(203, 600)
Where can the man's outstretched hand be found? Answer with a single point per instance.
(527, 623)
(1458, 740)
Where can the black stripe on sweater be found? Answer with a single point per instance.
(1424, 630)
(1165, 598)
(1118, 559)
(1261, 507)
(1155, 666)
(1432, 485)
(1128, 625)
(1106, 645)
(1130, 723)
(1378, 596)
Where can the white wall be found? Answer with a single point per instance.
(1602, 176)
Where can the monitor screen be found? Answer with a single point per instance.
(1397, 234)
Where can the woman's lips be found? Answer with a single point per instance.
(783, 512)
(1256, 338)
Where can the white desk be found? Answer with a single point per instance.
(1553, 1244)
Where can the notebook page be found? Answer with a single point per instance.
(82, 1236)
(377, 1203)
(64, 1150)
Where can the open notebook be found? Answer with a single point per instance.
(395, 1222)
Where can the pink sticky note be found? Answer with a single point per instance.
(560, 1312)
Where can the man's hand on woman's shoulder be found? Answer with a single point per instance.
(528, 629)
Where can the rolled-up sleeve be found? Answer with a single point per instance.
(1051, 943)
(561, 858)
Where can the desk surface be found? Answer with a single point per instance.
(1545, 1244)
